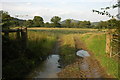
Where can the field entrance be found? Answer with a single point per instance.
(51, 53)
(91, 40)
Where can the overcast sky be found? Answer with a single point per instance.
(73, 9)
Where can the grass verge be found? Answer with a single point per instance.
(97, 44)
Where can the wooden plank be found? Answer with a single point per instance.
(116, 40)
(116, 54)
(12, 30)
(15, 30)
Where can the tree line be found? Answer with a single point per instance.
(55, 21)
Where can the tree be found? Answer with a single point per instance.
(102, 25)
(29, 23)
(105, 12)
(87, 24)
(38, 21)
(14, 23)
(84, 24)
(56, 21)
(6, 19)
(47, 24)
(80, 24)
(74, 25)
(68, 23)
(113, 23)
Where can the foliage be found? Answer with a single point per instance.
(56, 21)
(70, 23)
(38, 21)
(110, 24)
(29, 23)
(84, 24)
(113, 23)
(8, 21)
(67, 23)
(47, 24)
(105, 12)
(102, 25)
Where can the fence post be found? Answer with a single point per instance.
(108, 43)
(6, 34)
(18, 34)
(24, 37)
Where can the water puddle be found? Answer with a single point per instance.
(48, 69)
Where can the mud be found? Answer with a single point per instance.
(88, 67)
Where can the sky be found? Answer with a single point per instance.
(66, 9)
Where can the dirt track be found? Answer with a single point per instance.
(88, 67)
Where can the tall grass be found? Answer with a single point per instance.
(67, 49)
(41, 44)
(17, 63)
(65, 30)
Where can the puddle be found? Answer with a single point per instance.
(48, 69)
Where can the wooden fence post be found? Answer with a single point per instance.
(108, 43)
(6, 34)
(18, 34)
(21, 36)
(24, 37)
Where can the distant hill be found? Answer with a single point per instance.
(72, 20)
(75, 21)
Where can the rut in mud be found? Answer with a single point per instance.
(88, 67)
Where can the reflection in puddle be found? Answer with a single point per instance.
(48, 69)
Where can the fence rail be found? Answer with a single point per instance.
(21, 35)
(14, 30)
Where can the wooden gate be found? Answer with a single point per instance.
(21, 34)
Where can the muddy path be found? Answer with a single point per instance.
(88, 67)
